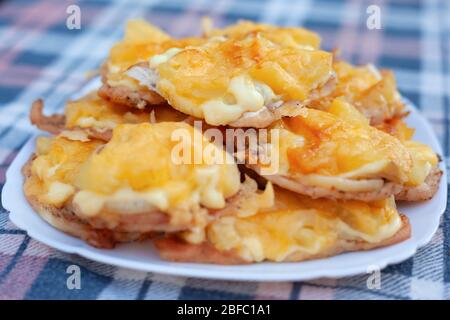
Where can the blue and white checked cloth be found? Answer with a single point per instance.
(41, 57)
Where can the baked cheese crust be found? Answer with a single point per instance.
(129, 183)
(295, 228)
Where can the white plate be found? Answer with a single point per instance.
(424, 219)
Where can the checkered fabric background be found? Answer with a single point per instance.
(40, 57)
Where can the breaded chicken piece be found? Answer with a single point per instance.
(120, 85)
(426, 159)
(238, 81)
(374, 93)
(279, 68)
(133, 185)
(338, 155)
(94, 117)
(142, 41)
(423, 191)
(295, 228)
(65, 219)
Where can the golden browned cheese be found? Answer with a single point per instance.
(424, 157)
(350, 147)
(142, 41)
(123, 55)
(144, 161)
(397, 128)
(300, 225)
(224, 78)
(352, 80)
(285, 36)
(55, 168)
(92, 111)
(145, 168)
(340, 149)
(139, 157)
(372, 92)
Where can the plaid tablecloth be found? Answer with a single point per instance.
(41, 57)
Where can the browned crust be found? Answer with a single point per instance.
(343, 245)
(97, 231)
(126, 96)
(270, 114)
(378, 115)
(53, 124)
(174, 249)
(132, 98)
(95, 134)
(388, 189)
(425, 191)
(144, 97)
(66, 220)
(56, 123)
(106, 230)
(267, 115)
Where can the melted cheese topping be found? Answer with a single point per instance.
(151, 173)
(134, 173)
(322, 149)
(156, 60)
(77, 135)
(58, 193)
(124, 55)
(338, 149)
(92, 111)
(55, 168)
(239, 74)
(372, 92)
(354, 80)
(197, 75)
(143, 42)
(298, 225)
(286, 36)
(123, 200)
(246, 96)
(424, 158)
